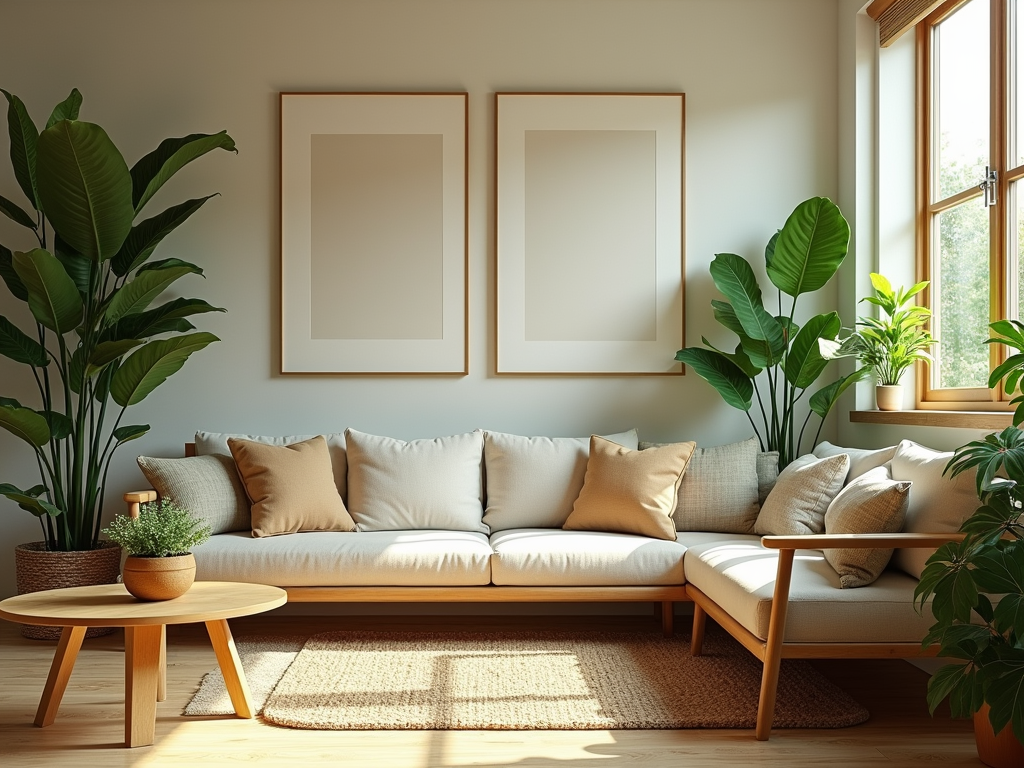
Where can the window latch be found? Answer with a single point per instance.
(988, 186)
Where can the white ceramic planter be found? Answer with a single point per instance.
(889, 397)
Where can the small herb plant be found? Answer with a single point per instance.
(162, 529)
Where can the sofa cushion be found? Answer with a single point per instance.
(291, 487)
(532, 482)
(861, 460)
(557, 558)
(216, 443)
(628, 491)
(377, 558)
(767, 474)
(738, 574)
(871, 503)
(719, 489)
(802, 493)
(394, 485)
(206, 486)
(938, 503)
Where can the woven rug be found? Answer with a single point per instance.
(519, 681)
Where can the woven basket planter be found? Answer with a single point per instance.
(38, 569)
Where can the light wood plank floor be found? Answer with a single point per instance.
(89, 729)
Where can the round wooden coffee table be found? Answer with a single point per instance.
(145, 654)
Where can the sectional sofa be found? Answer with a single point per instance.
(795, 565)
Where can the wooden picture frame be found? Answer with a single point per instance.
(589, 233)
(374, 251)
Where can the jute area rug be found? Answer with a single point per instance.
(519, 681)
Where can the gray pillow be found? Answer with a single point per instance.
(206, 486)
(767, 473)
(719, 489)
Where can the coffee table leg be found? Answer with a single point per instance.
(230, 667)
(60, 671)
(141, 680)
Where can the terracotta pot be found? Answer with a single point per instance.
(889, 397)
(37, 569)
(1000, 750)
(159, 578)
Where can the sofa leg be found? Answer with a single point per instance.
(700, 620)
(667, 617)
(773, 647)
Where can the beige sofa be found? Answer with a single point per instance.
(777, 595)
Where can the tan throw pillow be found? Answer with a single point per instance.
(208, 487)
(872, 503)
(628, 491)
(291, 487)
(797, 504)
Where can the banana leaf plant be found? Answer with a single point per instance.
(97, 345)
(776, 361)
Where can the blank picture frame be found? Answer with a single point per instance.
(373, 233)
(589, 233)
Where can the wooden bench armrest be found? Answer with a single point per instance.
(861, 540)
(135, 498)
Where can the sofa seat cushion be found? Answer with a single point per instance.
(739, 575)
(337, 559)
(558, 558)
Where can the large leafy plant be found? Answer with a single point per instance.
(775, 360)
(97, 345)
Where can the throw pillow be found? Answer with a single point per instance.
(628, 491)
(206, 486)
(797, 504)
(394, 485)
(532, 482)
(861, 460)
(291, 487)
(216, 444)
(871, 503)
(767, 473)
(938, 503)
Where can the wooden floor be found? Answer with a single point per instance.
(89, 729)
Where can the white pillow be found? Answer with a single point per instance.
(938, 503)
(436, 484)
(861, 460)
(216, 444)
(800, 498)
(532, 482)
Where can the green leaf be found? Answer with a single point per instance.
(130, 432)
(168, 264)
(107, 352)
(166, 318)
(26, 424)
(151, 365)
(101, 389)
(76, 370)
(135, 296)
(27, 500)
(16, 213)
(60, 425)
(804, 363)
(147, 235)
(810, 248)
(738, 358)
(769, 250)
(10, 276)
(20, 347)
(731, 383)
(1009, 614)
(24, 141)
(52, 294)
(726, 315)
(67, 109)
(1004, 692)
(78, 267)
(153, 170)
(824, 399)
(735, 279)
(85, 188)
(945, 681)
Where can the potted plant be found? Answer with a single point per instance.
(160, 564)
(97, 345)
(776, 360)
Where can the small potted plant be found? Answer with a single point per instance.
(160, 564)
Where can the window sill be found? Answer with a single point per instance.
(959, 419)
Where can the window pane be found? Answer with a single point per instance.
(1015, 253)
(1016, 70)
(962, 98)
(960, 296)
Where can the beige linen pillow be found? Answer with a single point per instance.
(291, 487)
(871, 503)
(206, 486)
(800, 498)
(938, 503)
(628, 491)
(861, 460)
(394, 485)
(767, 473)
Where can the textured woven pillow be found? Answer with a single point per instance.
(800, 498)
(767, 473)
(628, 491)
(871, 503)
(861, 460)
(938, 503)
(216, 444)
(291, 487)
(532, 482)
(206, 486)
(394, 485)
